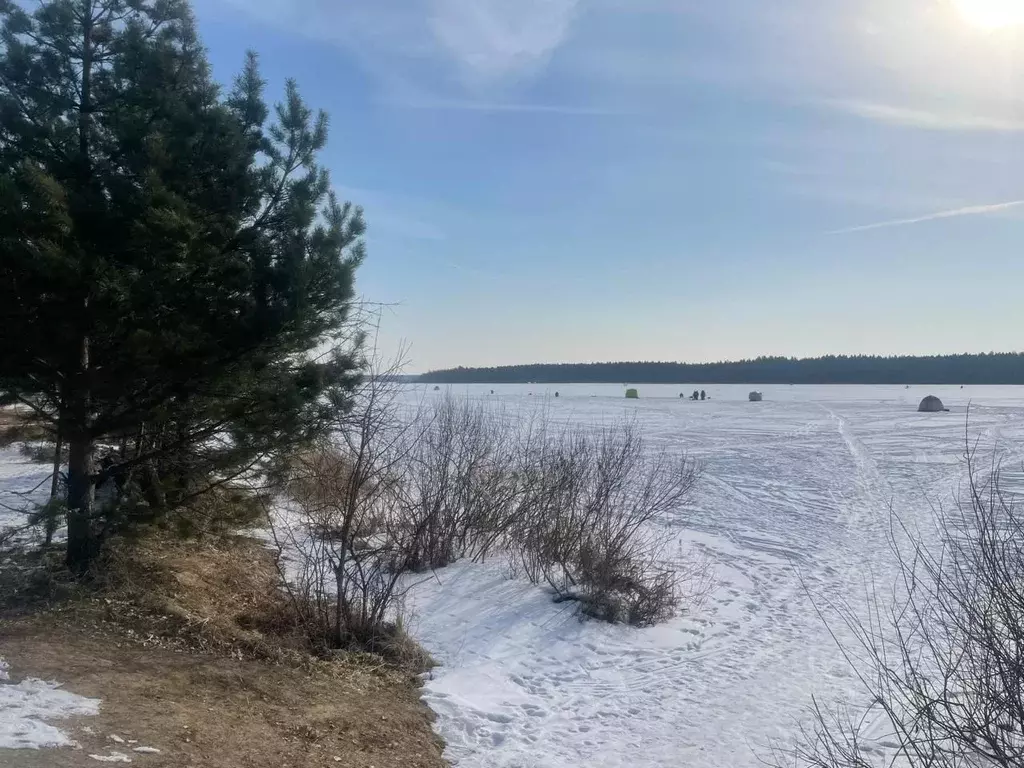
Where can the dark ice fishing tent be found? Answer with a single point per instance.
(931, 404)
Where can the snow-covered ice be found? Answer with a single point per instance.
(792, 511)
(29, 708)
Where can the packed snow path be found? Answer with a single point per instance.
(793, 511)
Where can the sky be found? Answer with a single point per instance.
(696, 180)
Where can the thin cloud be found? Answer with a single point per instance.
(971, 210)
(498, 107)
(905, 117)
(484, 40)
(493, 39)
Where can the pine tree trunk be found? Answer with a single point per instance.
(82, 542)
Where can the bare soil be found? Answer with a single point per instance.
(179, 660)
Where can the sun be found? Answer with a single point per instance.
(991, 14)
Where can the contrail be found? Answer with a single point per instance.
(971, 210)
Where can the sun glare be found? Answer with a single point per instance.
(991, 14)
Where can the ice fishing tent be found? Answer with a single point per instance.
(755, 397)
(632, 394)
(931, 404)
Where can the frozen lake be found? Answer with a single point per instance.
(793, 513)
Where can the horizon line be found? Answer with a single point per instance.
(790, 358)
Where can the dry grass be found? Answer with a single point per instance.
(19, 425)
(217, 512)
(217, 595)
(215, 712)
(190, 649)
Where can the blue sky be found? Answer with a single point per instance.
(576, 180)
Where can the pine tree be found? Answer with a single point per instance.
(169, 264)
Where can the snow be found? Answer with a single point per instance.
(22, 485)
(26, 709)
(29, 708)
(793, 512)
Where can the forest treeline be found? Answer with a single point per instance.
(988, 368)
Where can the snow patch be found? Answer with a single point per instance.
(27, 707)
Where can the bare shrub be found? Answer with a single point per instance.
(39, 452)
(944, 665)
(352, 532)
(587, 521)
(401, 490)
(576, 507)
(459, 477)
(618, 587)
(20, 427)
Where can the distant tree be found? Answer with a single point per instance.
(990, 368)
(169, 264)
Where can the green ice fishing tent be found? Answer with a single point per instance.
(632, 394)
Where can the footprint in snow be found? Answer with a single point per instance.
(495, 717)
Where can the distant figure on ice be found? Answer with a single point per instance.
(556, 394)
(695, 395)
(703, 395)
